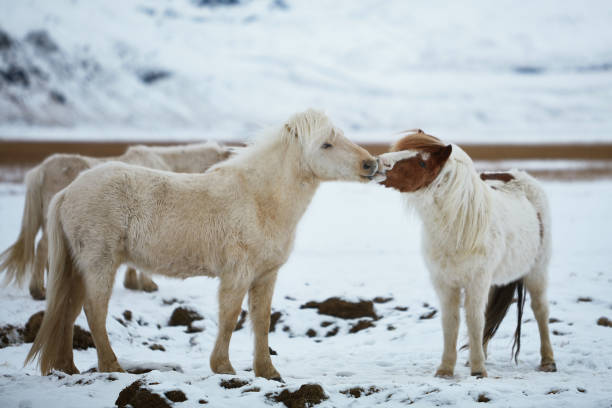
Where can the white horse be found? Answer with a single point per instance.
(59, 170)
(236, 222)
(488, 235)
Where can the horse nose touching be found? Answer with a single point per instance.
(371, 165)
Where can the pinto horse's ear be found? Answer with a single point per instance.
(291, 130)
(444, 153)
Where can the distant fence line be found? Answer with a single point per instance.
(29, 152)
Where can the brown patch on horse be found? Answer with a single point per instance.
(505, 177)
(419, 171)
(541, 226)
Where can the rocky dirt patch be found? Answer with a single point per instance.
(233, 383)
(361, 325)
(604, 321)
(357, 392)
(343, 309)
(176, 395)
(307, 396)
(138, 396)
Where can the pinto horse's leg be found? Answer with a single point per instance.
(475, 303)
(536, 283)
(98, 288)
(146, 283)
(260, 302)
(37, 280)
(231, 294)
(450, 298)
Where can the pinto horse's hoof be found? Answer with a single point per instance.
(548, 367)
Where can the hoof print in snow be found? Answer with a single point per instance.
(274, 319)
(307, 396)
(361, 325)
(483, 398)
(342, 308)
(157, 347)
(604, 321)
(428, 315)
(584, 299)
(233, 383)
(138, 396)
(182, 316)
(357, 392)
(241, 320)
(175, 396)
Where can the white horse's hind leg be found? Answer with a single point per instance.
(449, 303)
(37, 280)
(536, 284)
(146, 283)
(66, 359)
(130, 281)
(98, 288)
(475, 303)
(260, 302)
(231, 294)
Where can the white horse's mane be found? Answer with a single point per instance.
(463, 201)
(307, 129)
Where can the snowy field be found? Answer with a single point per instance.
(355, 241)
(470, 71)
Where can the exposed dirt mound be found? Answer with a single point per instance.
(342, 308)
(138, 396)
(307, 396)
(32, 326)
(483, 398)
(82, 339)
(182, 316)
(127, 315)
(176, 395)
(9, 335)
(274, 319)
(357, 392)
(233, 383)
(604, 321)
(241, 320)
(361, 325)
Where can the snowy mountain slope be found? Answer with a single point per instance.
(476, 70)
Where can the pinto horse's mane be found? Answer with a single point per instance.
(416, 139)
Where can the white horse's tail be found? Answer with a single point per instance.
(62, 298)
(17, 260)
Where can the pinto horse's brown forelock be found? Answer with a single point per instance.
(418, 141)
(416, 172)
(500, 299)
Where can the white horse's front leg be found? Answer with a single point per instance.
(260, 302)
(449, 303)
(475, 303)
(231, 294)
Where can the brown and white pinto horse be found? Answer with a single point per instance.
(488, 235)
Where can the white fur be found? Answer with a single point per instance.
(475, 236)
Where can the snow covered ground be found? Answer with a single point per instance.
(470, 71)
(355, 241)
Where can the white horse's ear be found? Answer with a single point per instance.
(291, 130)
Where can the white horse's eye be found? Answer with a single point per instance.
(326, 146)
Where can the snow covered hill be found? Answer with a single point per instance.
(183, 69)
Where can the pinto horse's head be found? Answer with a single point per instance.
(414, 162)
(326, 152)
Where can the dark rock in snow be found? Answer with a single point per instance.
(153, 75)
(182, 316)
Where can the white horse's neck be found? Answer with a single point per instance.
(455, 209)
(277, 175)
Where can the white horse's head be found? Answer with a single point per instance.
(327, 153)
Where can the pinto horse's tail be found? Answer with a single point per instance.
(17, 260)
(500, 299)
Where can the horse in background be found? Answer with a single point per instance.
(488, 235)
(57, 171)
(236, 222)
